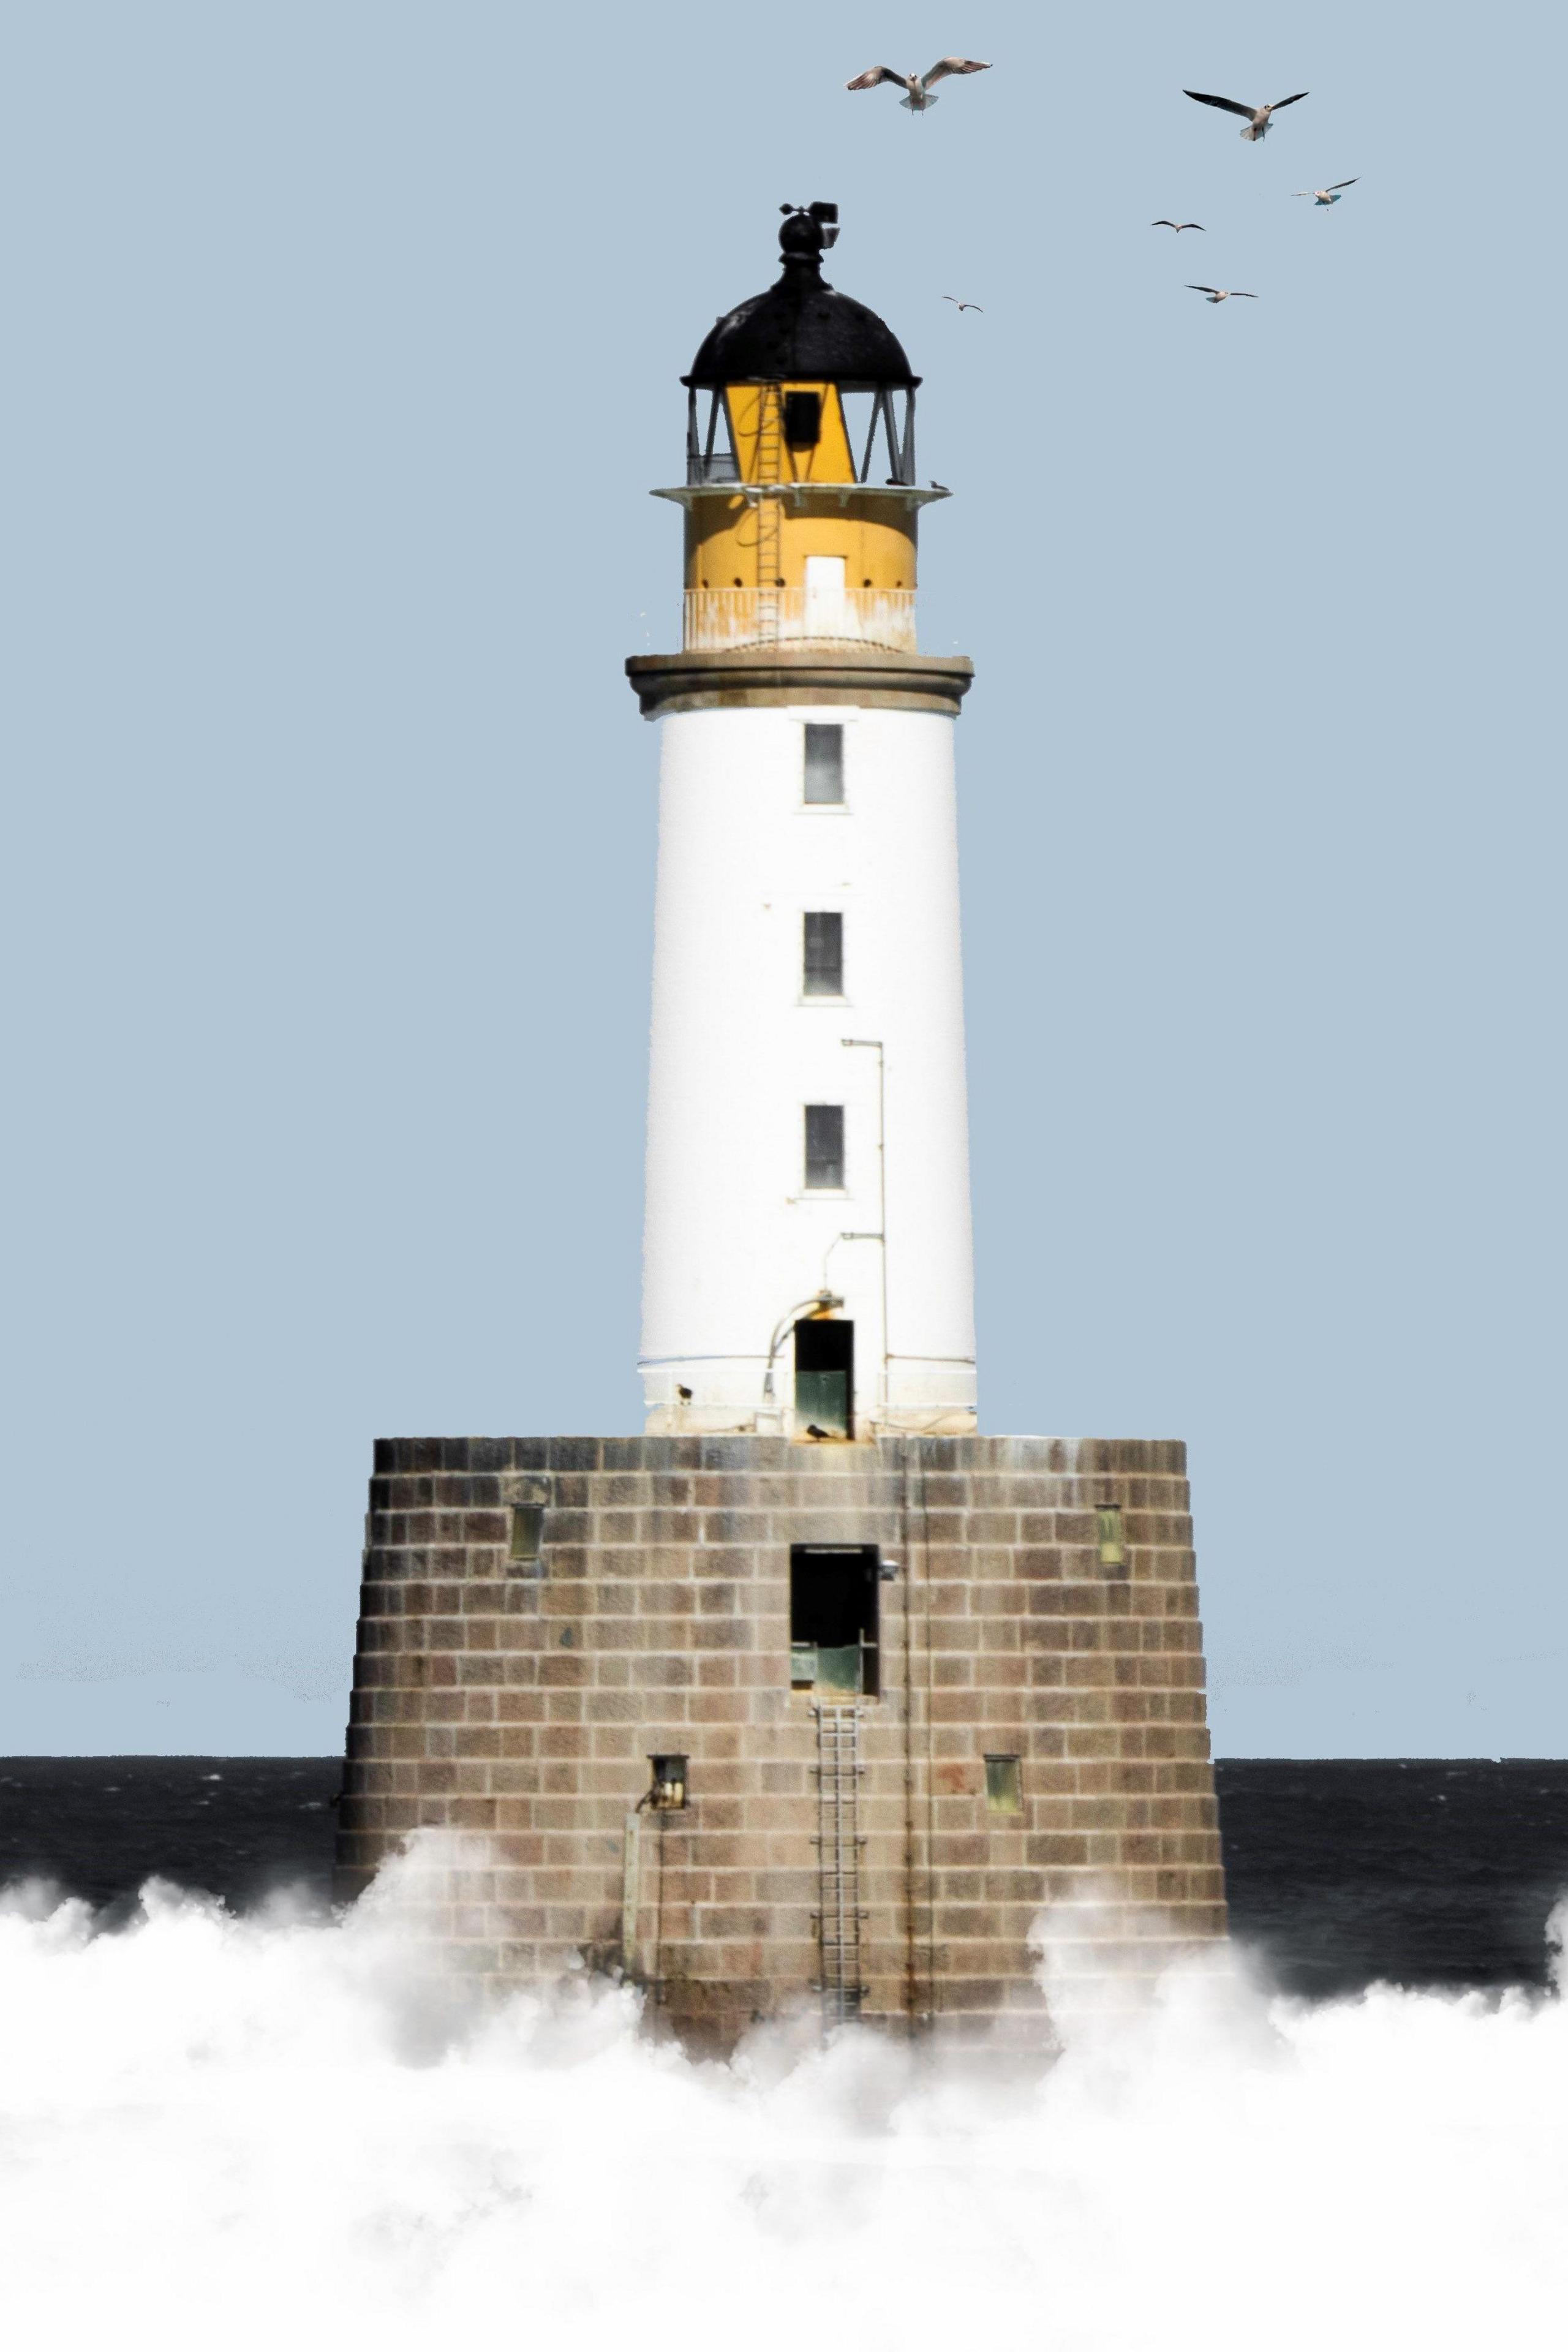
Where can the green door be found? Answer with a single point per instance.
(823, 1398)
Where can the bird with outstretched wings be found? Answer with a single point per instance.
(918, 87)
(1257, 116)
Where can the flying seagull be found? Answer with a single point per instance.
(1257, 116)
(1329, 195)
(1221, 293)
(918, 85)
(1178, 226)
(965, 306)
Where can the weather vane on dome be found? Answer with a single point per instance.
(808, 228)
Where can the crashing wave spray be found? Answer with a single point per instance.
(289, 2125)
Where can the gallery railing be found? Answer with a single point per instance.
(717, 618)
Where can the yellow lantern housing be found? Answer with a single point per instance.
(800, 495)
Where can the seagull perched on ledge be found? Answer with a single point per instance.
(1221, 293)
(1257, 116)
(1178, 226)
(1329, 195)
(918, 85)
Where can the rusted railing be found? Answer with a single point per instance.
(717, 618)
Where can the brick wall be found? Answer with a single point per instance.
(522, 1700)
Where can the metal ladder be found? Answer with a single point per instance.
(769, 516)
(839, 1844)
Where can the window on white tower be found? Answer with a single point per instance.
(825, 1147)
(824, 960)
(823, 765)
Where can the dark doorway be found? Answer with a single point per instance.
(824, 1377)
(833, 1592)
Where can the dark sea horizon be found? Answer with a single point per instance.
(1341, 1872)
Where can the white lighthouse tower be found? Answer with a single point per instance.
(807, 1266)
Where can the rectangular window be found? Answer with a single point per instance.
(526, 1531)
(824, 1146)
(802, 419)
(1004, 1785)
(823, 969)
(666, 1784)
(1107, 1533)
(823, 765)
(833, 1604)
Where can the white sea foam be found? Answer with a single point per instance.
(283, 2130)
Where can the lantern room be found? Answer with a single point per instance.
(800, 495)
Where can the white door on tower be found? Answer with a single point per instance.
(825, 596)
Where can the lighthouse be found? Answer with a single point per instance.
(807, 1261)
(809, 1697)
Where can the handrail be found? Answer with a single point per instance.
(716, 618)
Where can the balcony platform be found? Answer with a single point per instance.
(903, 494)
(780, 674)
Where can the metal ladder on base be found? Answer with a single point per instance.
(838, 1843)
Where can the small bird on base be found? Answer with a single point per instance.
(965, 306)
(812, 1431)
(1257, 116)
(684, 1394)
(919, 86)
(1222, 293)
(1178, 226)
(1329, 195)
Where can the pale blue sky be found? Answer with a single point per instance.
(343, 348)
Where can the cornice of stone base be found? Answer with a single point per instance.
(760, 677)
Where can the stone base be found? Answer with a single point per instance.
(519, 1700)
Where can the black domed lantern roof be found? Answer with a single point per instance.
(818, 350)
(803, 330)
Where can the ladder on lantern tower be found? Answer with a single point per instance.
(838, 1843)
(769, 462)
